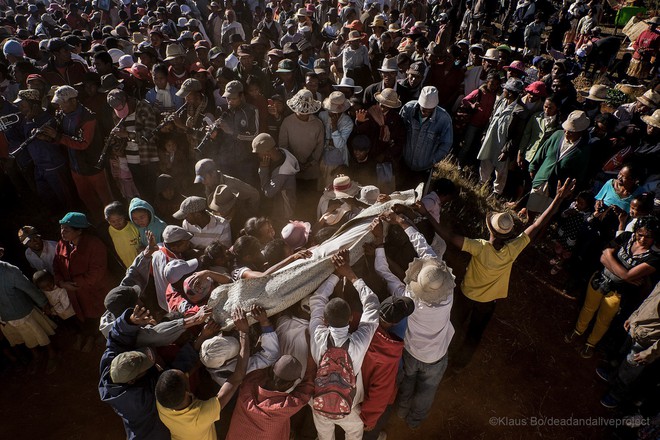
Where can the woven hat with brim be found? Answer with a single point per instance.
(394, 27)
(428, 97)
(304, 103)
(650, 98)
(287, 368)
(653, 120)
(333, 217)
(175, 270)
(76, 220)
(347, 82)
(577, 121)
(190, 205)
(190, 85)
(121, 298)
(492, 55)
(389, 65)
(354, 36)
(64, 93)
(597, 92)
(501, 224)
(369, 194)
(336, 103)
(173, 233)
(26, 233)
(137, 38)
(233, 89)
(378, 22)
(223, 199)
(30, 95)
(262, 143)
(174, 51)
(388, 97)
(296, 233)
(516, 65)
(128, 365)
(394, 308)
(302, 12)
(215, 352)
(343, 187)
(430, 280)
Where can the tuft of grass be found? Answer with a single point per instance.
(466, 214)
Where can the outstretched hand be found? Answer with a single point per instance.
(240, 321)
(259, 313)
(341, 260)
(141, 316)
(564, 190)
(376, 228)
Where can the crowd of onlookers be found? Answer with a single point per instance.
(191, 146)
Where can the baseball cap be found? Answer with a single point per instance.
(130, 364)
(233, 89)
(26, 233)
(190, 85)
(175, 270)
(121, 298)
(173, 233)
(394, 309)
(64, 93)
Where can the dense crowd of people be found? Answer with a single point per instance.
(194, 145)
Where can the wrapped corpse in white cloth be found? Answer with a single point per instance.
(284, 288)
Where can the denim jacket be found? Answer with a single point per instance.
(429, 141)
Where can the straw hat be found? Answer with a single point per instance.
(336, 103)
(430, 280)
(577, 121)
(653, 119)
(500, 224)
(597, 92)
(222, 200)
(174, 51)
(304, 103)
(491, 55)
(389, 65)
(302, 12)
(333, 217)
(354, 36)
(378, 22)
(343, 187)
(388, 97)
(650, 98)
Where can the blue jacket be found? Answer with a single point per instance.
(156, 225)
(17, 294)
(134, 403)
(46, 156)
(176, 100)
(427, 142)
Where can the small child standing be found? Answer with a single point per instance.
(121, 173)
(124, 234)
(572, 221)
(640, 206)
(172, 157)
(57, 297)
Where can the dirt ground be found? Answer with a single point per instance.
(522, 370)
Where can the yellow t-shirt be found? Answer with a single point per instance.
(126, 242)
(193, 423)
(487, 276)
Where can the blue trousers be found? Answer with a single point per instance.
(418, 387)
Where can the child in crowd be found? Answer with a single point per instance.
(571, 223)
(163, 96)
(172, 156)
(168, 198)
(641, 205)
(60, 305)
(124, 234)
(142, 215)
(121, 173)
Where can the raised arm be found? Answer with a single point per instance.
(563, 191)
(444, 233)
(229, 388)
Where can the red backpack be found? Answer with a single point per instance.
(334, 386)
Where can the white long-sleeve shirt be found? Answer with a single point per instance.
(429, 329)
(360, 338)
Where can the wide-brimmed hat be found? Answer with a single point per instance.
(516, 65)
(223, 199)
(343, 187)
(577, 121)
(597, 92)
(174, 51)
(653, 119)
(430, 280)
(304, 103)
(333, 217)
(537, 88)
(378, 22)
(302, 12)
(491, 54)
(650, 98)
(354, 36)
(389, 65)
(348, 83)
(336, 103)
(500, 224)
(388, 97)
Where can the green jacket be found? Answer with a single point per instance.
(547, 167)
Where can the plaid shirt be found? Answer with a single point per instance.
(146, 120)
